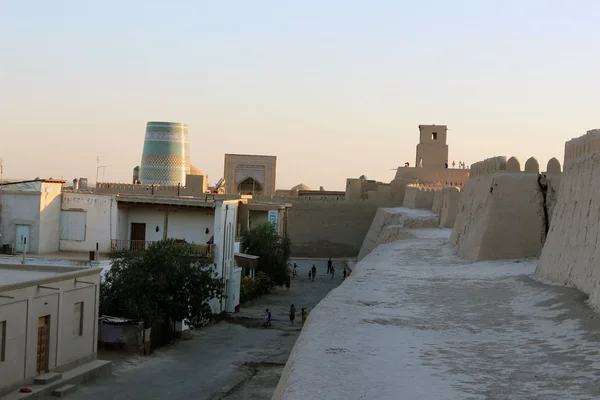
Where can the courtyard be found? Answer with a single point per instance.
(234, 359)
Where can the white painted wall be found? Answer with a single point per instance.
(225, 227)
(20, 208)
(21, 315)
(74, 347)
(101, 221)
(191, 225)
(152, 218)
(122, 222)
(50, 203)
(13, 368)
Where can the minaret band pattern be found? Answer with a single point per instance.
(166, 157)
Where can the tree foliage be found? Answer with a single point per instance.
(273, 250)
(164, 280)
(251, 288)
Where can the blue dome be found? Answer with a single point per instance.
(363, 177)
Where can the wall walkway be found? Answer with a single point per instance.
(391, 224)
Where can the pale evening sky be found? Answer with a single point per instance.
(334, 89)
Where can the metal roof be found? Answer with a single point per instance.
(33, 180)
(244, 255)
(116, 320)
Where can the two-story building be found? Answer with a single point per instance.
(38, 218)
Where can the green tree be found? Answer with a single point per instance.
(164, 280)
(273, 250)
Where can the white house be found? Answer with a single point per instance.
(47, 320)
(29, 216)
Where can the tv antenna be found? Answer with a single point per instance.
(98, 166)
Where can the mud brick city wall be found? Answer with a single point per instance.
(571, 253)
(329, 228)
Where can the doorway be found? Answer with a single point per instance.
(22, 238)
(43, 344)
(250, 186)
(138, 236)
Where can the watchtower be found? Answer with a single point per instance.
(432, 148)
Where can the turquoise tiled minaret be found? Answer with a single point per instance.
(166, 157)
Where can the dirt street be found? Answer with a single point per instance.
(235, 359)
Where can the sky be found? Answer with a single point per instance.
(334, 89)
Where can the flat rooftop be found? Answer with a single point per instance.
(14, 274)
(187, 201)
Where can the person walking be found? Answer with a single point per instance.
(292, 314)
(329, 265)
(332, 272)
(344, 274)
(266, 318)
(314, 272)
(304, 315)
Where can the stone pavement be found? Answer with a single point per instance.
(234, 359)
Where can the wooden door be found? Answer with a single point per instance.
(43, 344)
(138, 236)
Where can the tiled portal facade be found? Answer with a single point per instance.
(250, 174)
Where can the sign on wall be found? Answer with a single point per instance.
(273, 217)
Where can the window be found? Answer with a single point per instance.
(434, 136)
(2, 341)
(78, 319)
(72, 225)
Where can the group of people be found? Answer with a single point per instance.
(461, 164)
(303, 314)
(312, 273)
(292, 315)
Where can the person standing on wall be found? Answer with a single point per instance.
(446, 164)
(453, 164)
(421, 162)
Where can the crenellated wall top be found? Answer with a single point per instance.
(577, 148)
(501, 164)
(425, 187)
(488, 166)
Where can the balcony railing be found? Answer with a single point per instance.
(142, 245)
